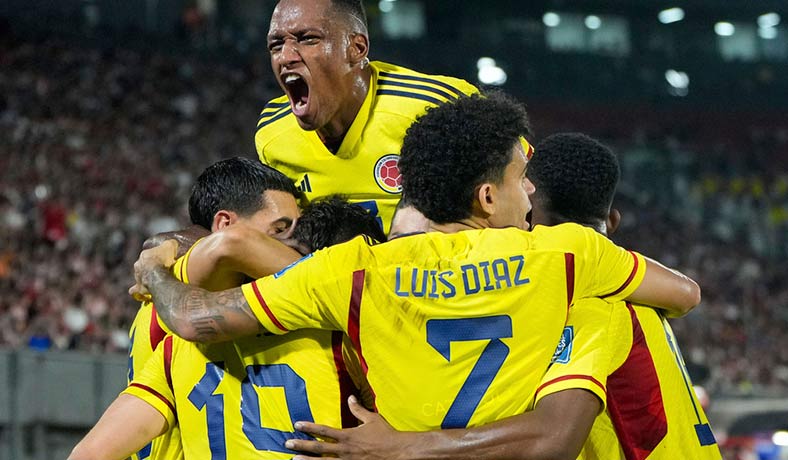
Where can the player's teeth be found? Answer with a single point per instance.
(291, 78)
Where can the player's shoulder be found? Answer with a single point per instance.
(275, 118)
(408, 89)
(569, 232)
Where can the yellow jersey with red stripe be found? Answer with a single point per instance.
(364, 168)
(146, 334)
(240, 399)
(632, 363)
(453, 330)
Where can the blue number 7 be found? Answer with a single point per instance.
(440, 334)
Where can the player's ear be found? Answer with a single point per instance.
(613, 221)
(222, 219)
(358, 49)
(485, 195)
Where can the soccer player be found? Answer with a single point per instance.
(339, 127)
(662, 419)
(238, 400)
(237, 189)
(628, 358)
(454, 327)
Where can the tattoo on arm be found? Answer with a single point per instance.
(199, 315)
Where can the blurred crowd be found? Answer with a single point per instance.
(100, 147)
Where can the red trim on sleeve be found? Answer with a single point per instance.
(168, 361)
(570, 277)
(629, 280)
(571, 377)
(635, 399)
(266, 309)
(346, 385)
(354, 318)
(156, 394)
(156, 333)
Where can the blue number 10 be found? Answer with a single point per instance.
(440, 334)
(275, 375)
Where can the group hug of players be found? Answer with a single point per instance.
(496, 322)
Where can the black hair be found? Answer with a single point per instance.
(457, 146)
(575, 178)
(353, 8)
(236, 184)
(333, 220)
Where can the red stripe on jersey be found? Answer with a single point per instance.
(629, 280)
(156, 394)
(156, 332)
(266, 309)
(570, 377)
(570, 277)
(635, 399)
(353, 320)
(346, 385)
(168, 361)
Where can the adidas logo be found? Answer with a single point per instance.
(305, 186)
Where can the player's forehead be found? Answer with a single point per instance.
(277, 201)
(519, 160)
(294, 16)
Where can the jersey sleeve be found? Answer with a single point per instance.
(154, 384)
(589, 349)
(602, 269)
(307, 294)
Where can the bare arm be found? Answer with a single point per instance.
(537, 435)
(185, 238)
(126, 426)
(195, 314)
(223, 259)
(667, 289)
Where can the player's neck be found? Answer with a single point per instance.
(333, 133)
(461, 225)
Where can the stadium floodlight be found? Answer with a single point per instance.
(677, 79)
(780, 438)
(767, 33)
(593, 22)
(551, 19)
(768, 20)
(485, 62)
(386, 6)
(671, 15)
(724, 29)
(490, 73)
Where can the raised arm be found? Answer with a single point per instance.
(126, 426)
(185, 238)
(226, 257)
(667, 289)
(536, 435)
(195, 314)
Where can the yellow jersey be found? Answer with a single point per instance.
(364, 168)
(452, 330)
(146, 334)
(240, 399)
(631, 361)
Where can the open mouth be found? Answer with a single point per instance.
(298, 92)
(528, 219)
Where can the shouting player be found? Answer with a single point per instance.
(340, 125)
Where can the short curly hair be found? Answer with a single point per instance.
(575, 178)
(333, 220)
(457, 146)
